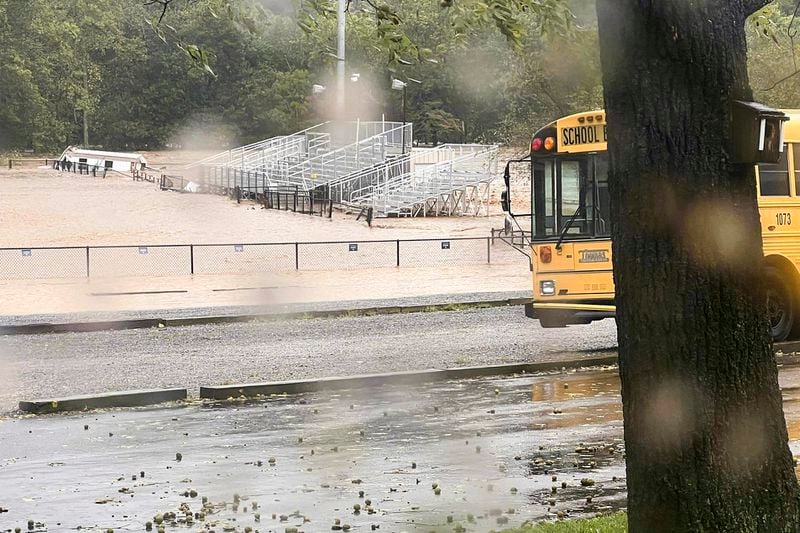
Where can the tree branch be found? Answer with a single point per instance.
(785, 78)
(164, 5)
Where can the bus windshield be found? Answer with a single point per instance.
(570, 195)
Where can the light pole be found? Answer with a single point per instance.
(341, 12)
(398, 85)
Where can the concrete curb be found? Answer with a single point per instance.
(31, 329)
(225, 392)
(80, 327)
(787, 347)
(98, 401)
(414, 377)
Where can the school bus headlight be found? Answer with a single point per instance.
(549, 143)
(547, 287)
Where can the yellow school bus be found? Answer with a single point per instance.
(570, 243)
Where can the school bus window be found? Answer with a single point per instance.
(549, 210)
(774, 178)
(570, 187)
(796, 150)
(602, 200)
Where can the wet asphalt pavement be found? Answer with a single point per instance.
(498, 450)
(238, 310)
(57, 365)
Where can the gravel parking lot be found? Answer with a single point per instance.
(55, 365)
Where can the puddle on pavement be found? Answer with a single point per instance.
(499, 451)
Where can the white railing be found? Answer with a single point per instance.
(236, 155)
(451, 168)
(343, 161)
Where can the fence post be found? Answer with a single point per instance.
(87, 261)
(488, 250)
(398, 252)
(191, 258)
(297, 256)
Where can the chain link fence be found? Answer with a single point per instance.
(139, 260)
(243, 258)
(187, 259)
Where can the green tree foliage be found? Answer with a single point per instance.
(138, 83)
(774, 54)
(233, 71)
(154, 74)
(472, 85)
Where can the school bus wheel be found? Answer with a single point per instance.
(781, 305)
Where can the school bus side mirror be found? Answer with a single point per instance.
(757, 133)
(504, 203)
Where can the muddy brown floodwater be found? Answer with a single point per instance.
(45, 208)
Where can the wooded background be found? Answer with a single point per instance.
(140, 88)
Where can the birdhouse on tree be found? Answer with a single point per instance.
(757, 133)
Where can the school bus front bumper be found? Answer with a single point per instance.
(570, 312)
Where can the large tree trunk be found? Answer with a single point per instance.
(705, 436)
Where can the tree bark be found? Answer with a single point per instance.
(706, 440)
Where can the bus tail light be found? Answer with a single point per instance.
(536, 144)
(545, 254)
(549, 143)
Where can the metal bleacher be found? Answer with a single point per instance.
(450, 179)
(359, 165)
(307, 159)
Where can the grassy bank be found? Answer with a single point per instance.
(616, 523)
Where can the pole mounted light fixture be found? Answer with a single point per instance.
(398, 85)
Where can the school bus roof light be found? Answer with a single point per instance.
(536, 144)
(590, 118)
(599, 118)
(549, 143)
(581, 120)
